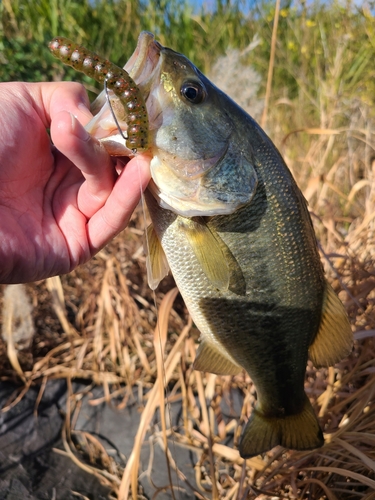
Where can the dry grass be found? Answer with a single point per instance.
(98, 324)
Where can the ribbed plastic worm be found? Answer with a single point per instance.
(116, 79)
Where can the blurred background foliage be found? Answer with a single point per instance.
(319, 43)
(111, 27)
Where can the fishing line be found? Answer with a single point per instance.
(167, 391)
(156, 308)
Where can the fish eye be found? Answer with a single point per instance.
(193, 92)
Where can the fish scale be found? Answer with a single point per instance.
(272, 241)
(267, 315)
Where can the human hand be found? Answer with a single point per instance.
(59, 205)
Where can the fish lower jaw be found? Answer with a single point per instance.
(188, 207)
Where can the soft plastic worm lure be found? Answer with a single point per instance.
(116, 79)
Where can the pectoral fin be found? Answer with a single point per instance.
(156, 261)
(334, 340)
(237, 283)
(213, 358)
(207, 250)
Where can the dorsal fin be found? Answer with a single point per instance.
(211, 357)
(156, 261)
(334, 340)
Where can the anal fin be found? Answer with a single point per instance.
(294, 432)
(213, 358)
(334, 340)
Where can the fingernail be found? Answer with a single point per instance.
(78, 130)
(84, 109)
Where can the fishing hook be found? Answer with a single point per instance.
(125, 137)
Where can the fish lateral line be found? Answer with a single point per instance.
(116, 79)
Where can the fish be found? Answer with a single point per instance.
(230, 222)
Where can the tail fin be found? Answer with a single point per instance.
(295, 432)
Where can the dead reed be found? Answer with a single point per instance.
(101, 327)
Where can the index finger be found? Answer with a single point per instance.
(114, 216)
(52, 98)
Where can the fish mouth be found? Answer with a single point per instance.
(141, 67)
(145, 58)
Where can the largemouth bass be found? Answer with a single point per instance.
(231, 223)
